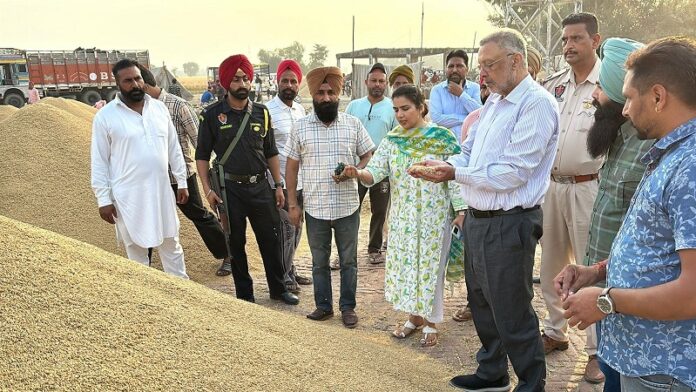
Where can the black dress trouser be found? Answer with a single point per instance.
(256, 202)
(498, 268)
(206, 223)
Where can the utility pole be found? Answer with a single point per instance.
(420, 58)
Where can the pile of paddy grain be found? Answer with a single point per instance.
(75, 317)
(6, 111)
(45, 180)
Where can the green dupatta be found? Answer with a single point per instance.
(429, 140)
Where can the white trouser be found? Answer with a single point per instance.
(170, 252)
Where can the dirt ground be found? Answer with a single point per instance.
(458, 341)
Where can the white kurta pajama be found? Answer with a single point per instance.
(130, 157)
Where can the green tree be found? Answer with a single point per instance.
(191, 68)
(639, 20)
(270, 57)
(318, 56)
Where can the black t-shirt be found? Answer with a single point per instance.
(218, 127)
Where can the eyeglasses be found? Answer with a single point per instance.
(488, 67)
(369, 113)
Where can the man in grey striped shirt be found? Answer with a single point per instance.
(504, 171)
(186, 123)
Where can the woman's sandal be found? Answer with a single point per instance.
(430, 337)
(406, 330)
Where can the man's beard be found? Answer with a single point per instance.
(376, 92)
(240, 93)
(288, 94)
(135, 95)
(603, 133)
(326, 111)
(454, 78)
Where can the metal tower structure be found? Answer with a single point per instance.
(540, 21)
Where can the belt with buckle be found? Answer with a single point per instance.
(573, 179)
(245, 179)
(490, 214)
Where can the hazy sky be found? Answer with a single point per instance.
(206, 31)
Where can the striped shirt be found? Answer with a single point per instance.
(283, 118)
(618, 180)
(506, 158)
(319, 149)
(185, 121)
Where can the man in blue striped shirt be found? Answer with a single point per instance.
(504, 171)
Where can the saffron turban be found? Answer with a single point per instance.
(289, 65)
(229, 67)
(534, 59)
(403, 70)
(321, 75)
(614, 53)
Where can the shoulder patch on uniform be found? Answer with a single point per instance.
(555, 76)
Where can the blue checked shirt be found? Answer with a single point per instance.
(506, 158)
(660, 221)
(319, 149)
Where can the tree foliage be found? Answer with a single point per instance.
(191, 68)
(639, 20)
(318, 56)
(295, 51)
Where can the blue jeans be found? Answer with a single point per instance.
(346, 237)
(654, 383)
(612, 378)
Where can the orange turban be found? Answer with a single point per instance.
(330, 75)
(289, 65)
(229, 67)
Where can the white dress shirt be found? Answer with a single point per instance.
(283, 117)
(506, 158)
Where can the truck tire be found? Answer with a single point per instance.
(110, 95)
(14, 99)
(90, 97)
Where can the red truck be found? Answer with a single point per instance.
(83, 74)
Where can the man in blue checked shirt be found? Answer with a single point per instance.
(454, 98)
(648, 308)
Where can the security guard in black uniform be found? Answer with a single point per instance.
(249, 195)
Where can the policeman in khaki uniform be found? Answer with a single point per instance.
(568, 203)
(249, 194)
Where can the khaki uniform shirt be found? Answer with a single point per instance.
(577, 116)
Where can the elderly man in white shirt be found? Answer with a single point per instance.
(504, 170)
(133, 144)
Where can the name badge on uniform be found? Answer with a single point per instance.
(226, 126)
(558, 92)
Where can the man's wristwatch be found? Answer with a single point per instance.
(605, 303)
(280, 184)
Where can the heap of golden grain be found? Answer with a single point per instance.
(77, 317)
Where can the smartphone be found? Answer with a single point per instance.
(456, 232)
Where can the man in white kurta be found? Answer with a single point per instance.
(133, 143)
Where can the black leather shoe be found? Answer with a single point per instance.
(320, 314)
(472, 382)
(287, 297)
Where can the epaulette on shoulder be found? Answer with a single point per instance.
(554, 76)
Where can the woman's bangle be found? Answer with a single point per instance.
(208, 194)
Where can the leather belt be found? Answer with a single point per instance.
(245, 179)
(573, 179)
(492, 213)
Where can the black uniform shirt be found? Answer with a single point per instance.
(218, 127)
